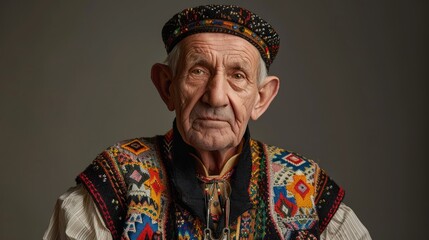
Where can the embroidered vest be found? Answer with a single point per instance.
(140, 195)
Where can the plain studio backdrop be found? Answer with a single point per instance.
(75, 78)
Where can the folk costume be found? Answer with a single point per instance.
(156, 188)
(150, 188)
(147, 188)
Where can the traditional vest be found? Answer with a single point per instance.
(145, 188)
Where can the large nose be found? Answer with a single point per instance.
(216, 91)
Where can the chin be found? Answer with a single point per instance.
(210, 144)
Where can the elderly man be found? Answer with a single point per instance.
(206, 178)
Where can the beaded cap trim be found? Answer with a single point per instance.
(227, 19)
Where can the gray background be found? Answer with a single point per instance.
(354, 92)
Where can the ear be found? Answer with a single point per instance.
(162, 78)
(266, 93)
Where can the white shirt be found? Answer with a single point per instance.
(76, 217)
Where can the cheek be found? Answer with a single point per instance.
(243, 106)
(181, 92)
(186, 99)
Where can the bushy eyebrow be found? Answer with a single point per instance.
(197, 59)
(239, 62)
(240, 67)
(202, 60)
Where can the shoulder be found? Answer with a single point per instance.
(116, 161)
(76, 217)
(302, 184)
(292, 175)
(288, 162)
(118, 171)
(130, 151)
(294, 164)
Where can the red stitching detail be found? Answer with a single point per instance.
(333, 210)
(101, 205)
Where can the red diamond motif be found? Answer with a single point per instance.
(302, 188)
(284, 207)
(156, 187)
(294, 160)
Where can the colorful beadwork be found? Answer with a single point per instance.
(223, 19)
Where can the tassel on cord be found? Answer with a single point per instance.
(223, 190)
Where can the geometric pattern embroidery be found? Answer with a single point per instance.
(301, 190)
(284, 207)
(293, 191)
(135, 175)
(135, 147)
(291, 160)
(147, 232)
(140, 226)
(281, 175)
(294, 160)
(155, 185)
(246, 226)
(291, 188)
(146, 193)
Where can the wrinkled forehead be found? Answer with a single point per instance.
(207, 46)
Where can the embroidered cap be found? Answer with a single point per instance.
(228, 19)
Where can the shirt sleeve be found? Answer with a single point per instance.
(76, 217)
(345, 225)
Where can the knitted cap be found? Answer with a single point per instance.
(223, 19)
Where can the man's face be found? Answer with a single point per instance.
(215, 89)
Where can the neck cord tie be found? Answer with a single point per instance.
(216, 194)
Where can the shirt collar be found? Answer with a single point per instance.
(226, 168)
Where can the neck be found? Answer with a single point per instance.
(215, 160)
